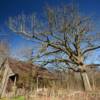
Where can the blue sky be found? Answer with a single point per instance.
(14, 7)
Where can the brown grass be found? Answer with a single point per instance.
(58, 94)
(65, 95)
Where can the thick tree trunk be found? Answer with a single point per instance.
(86, 81)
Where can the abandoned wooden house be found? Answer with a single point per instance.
(18, 73)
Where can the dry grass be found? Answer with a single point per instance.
(65, 95)
(58, 95)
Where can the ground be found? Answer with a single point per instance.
(78, 95)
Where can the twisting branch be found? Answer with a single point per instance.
(90, 49)
(50, 53)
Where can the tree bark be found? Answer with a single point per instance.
(85, 78)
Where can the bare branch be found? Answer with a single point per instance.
(90, 49)
(50, 53)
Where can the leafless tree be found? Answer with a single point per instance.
(64, 31)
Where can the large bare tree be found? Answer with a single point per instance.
(62, 32)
